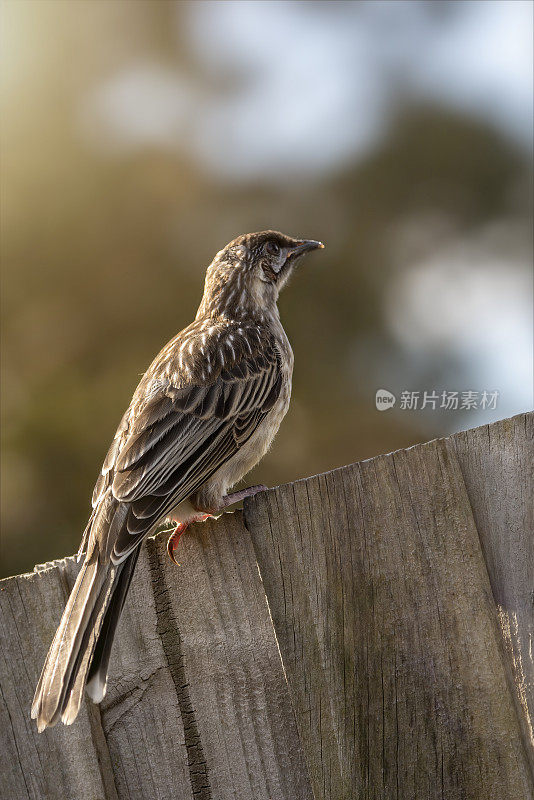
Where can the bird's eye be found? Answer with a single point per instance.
(272, 247)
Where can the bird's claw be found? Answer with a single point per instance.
(173, 540)
(236, 497)
(176, 535)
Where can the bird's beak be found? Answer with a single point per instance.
(304, 247)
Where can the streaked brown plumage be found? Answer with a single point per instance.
(203, 415)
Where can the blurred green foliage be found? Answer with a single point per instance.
(103, 262)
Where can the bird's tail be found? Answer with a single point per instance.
(79, 654)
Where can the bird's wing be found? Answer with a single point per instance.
(195, 407)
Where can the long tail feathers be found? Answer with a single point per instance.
(98, 670)
(93, 608)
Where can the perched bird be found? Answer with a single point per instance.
(203, 415)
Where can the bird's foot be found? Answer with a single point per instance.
(235, 497)
(176, 535)
(227, 500)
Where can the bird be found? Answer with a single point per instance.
(204, 413)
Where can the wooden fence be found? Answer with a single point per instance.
(401, 590)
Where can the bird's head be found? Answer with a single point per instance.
(246, 276)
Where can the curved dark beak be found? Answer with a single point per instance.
(304, 247)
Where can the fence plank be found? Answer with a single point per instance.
(386, 623)
(63, 763)
(497, 465)
(197, 704)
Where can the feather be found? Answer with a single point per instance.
(200, 401)
(80, 619)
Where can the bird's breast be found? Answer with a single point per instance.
(255, 448)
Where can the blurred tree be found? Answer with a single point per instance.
(104, 257)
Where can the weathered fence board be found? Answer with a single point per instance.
(197, 704)
(33, 766)
(401, 683)
(497, 464)
(387, 628)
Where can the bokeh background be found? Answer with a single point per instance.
(139, 137)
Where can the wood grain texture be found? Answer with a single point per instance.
(377, 579)
(197, 704)
(388, 631)
(63, 763)
(497, 465)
